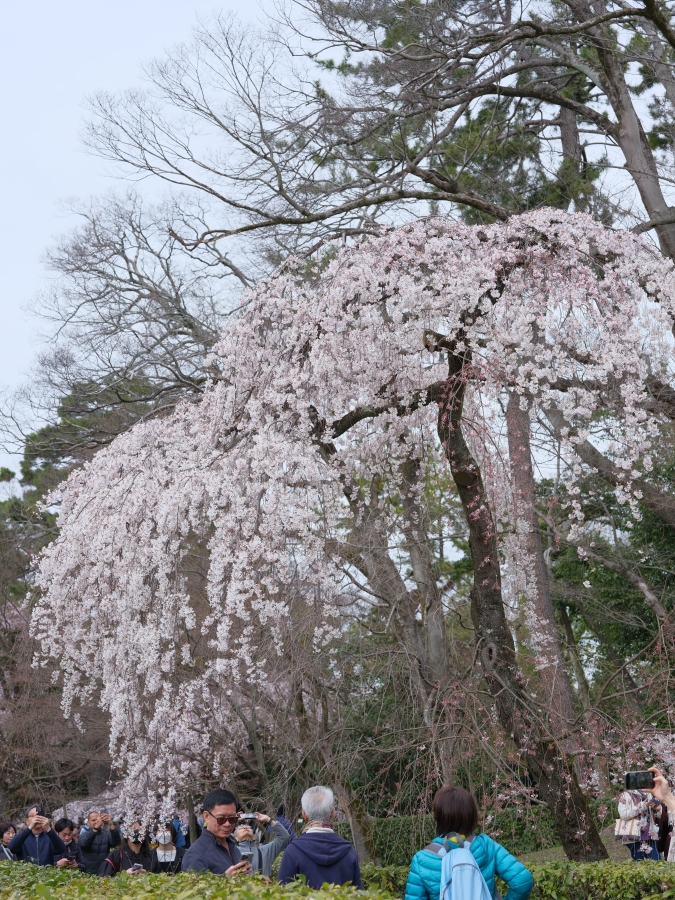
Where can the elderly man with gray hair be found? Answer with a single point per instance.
(319, 854)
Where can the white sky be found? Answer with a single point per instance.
(51, 56)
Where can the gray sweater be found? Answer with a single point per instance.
(265, 854)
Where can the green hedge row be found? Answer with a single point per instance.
(566, 880)
(554, 881)
(397, 839)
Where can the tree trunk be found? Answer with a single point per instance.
(551, 772)
(362, 828)
(192, 819)
(550, 661)
(631, 136)
(572, 649)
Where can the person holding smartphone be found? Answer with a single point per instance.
(37, 843)
(638, 805)
(97, 839)
(133, 857)
(72, 858)
(261, 856)
(216, 849)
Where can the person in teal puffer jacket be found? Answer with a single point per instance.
(455, 812)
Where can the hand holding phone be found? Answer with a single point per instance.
(639, 781)
(241, 868)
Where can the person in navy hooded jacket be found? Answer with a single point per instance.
(319, 854)
(37, 843)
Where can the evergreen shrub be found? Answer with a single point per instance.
(553, 881)
(397, 839)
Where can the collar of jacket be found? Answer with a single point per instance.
(231, 843)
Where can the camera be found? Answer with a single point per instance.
(639, 781)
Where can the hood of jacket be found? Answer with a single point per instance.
(324, 848)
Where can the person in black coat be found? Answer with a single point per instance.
(72, 858)
(167, 857)
(97, 840)
(37, 843)
(133, 856)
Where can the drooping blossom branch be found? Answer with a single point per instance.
(327, 384)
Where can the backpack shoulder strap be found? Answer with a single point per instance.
(436, 849)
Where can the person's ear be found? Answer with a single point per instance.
(332, 813)
(305, 816)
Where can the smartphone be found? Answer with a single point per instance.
(136, 867)
(639, 781)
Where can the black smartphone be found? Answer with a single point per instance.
(639, 781)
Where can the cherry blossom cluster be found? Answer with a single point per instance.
(181, 542)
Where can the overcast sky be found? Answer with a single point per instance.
(52, 56)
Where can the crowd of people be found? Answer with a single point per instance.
(234, 843)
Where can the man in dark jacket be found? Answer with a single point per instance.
(319, 854)
(216, 849)
(72, 858)
(97, 839)
(37, 843)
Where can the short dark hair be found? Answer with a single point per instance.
(6, 827)
(454, 810)
(64, 823)
(219, 797)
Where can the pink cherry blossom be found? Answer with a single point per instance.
(565, 312)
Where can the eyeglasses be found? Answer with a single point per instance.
(221, 820)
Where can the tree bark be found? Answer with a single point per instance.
(192, 819)
(554, 681)
(572, 649)
(362, 830)
(550, 770)
(631, 136)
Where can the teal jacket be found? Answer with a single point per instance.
(424, 878)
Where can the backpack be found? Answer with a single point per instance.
(461, 879)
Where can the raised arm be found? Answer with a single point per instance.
(280, 837)
(17, 841)
(87, 838)
(661, 791)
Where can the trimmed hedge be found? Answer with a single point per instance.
(397, 839)
(554, 881)
(566, 880)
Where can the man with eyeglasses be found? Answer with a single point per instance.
(216, 849)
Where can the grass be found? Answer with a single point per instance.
(617, 851)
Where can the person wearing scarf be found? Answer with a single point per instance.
(320, 854)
